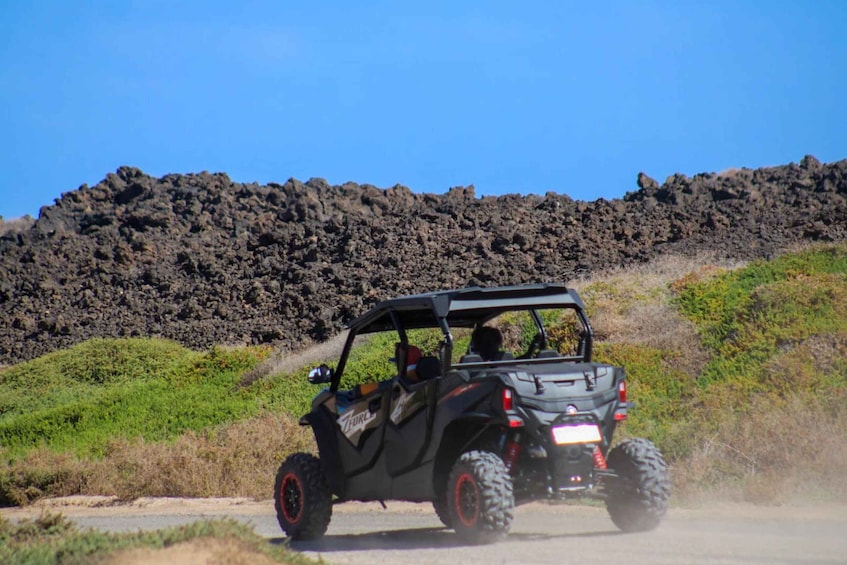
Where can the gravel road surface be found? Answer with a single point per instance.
(411, 534)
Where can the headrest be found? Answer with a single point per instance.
(413, 355)
(429, 367)
(470, 358)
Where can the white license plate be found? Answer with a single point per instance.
(577, 433)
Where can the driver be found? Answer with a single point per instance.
(487, 342)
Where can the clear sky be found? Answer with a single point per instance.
(513, 97)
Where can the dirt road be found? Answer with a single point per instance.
(410, 533)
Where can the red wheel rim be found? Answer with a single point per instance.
(291, 498)
(466, 497)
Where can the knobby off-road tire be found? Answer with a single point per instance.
(302, 497)
(638, 499)
(442, 511)
(480, 503)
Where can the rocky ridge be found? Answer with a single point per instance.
(204, 260)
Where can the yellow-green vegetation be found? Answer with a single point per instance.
(748, 316)
(52, 538)
(769, 412)
(98, 417)
(233, 459)
(79, 399)
(738, 374)
(663, 394)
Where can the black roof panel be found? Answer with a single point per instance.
(463, 307)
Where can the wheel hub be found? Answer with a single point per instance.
(467, 500)
(291, 495)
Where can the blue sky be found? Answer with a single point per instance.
(513, 97)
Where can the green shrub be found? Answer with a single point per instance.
(746, 317)
(148, 388)
(86, 369)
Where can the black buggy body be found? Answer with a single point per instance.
(475, 434)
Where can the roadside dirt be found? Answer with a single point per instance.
(104, 506)
(190, 553)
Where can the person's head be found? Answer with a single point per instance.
(486, 342)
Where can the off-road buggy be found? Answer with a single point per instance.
(474, 436)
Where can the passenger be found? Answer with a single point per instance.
(406, 358)
(413, 355)
(486, 342)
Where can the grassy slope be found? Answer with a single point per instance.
(717, 358)
(763, 417)
(79, 399)
(140, 416)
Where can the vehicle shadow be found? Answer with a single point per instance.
(416, 538)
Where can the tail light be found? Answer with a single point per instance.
(620, 413)
(508, 399)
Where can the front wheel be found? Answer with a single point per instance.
(638, 498)
(480, 502)
(442, 511)
(302, 497)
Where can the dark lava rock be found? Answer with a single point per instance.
(204, 260)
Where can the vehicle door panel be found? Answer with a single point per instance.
(360, 428)
(406, 428)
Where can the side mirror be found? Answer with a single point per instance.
(320, 375)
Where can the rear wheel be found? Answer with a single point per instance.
(480, 502)
(302, 497)
(638, 499)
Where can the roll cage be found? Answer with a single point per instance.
(465, 308)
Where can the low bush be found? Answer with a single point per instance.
(748, 315)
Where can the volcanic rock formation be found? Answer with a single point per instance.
(204, 260)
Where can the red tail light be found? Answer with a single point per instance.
(508, 400)
(622, 391)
